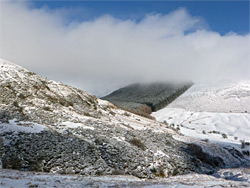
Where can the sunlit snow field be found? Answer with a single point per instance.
(217, 112)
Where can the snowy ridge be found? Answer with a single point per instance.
(215, 97)
(9, 69)
(6, 63)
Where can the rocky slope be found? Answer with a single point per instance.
(51, 127)
(27, 96)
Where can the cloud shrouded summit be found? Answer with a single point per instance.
(158, 47)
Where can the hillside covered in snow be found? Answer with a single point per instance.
(221, 97)
(219, 113)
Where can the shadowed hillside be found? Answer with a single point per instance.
(145, 98)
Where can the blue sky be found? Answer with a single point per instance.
(77, 43)
(221, 16)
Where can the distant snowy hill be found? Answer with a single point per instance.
(220, 97)
(217, 112)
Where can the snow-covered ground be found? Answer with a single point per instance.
(216, 97)
(217, 112)
(20, 126)
(239, 177)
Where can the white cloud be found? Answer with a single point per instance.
(159, 47)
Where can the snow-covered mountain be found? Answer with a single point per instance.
(51, 127)
(216, 97)
(216, 112)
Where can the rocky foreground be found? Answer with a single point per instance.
(47, 126)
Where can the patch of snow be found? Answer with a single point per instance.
(21, 126)
(103, 102)
(121, 139)
(160, 153)
(76, 125)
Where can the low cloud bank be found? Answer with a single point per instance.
(110, 50)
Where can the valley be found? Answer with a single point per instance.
(50, 127)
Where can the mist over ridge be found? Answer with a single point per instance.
(105, 51)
